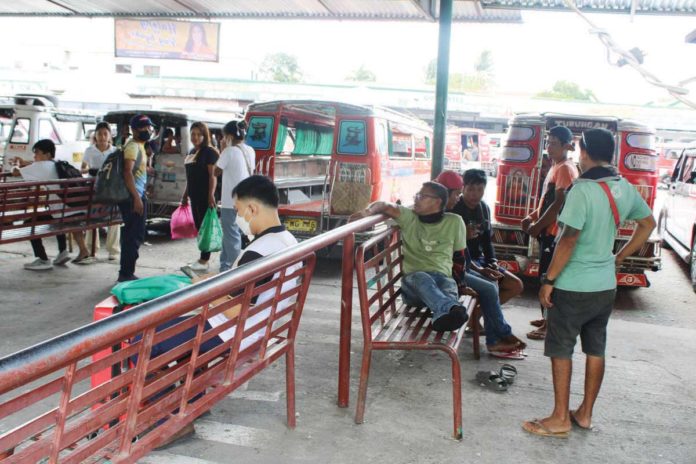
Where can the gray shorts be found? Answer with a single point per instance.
(578, 313)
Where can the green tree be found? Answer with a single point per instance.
(480, 80)
(281, 67)
(566, 90)
(431, 71)
(484, 63)
(362, 74)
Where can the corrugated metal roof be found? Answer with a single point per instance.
(403, 10)
(654, 7)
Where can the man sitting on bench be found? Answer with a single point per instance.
(430, 236)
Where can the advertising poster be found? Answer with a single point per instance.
(162, 39)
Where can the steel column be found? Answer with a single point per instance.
(443, 52)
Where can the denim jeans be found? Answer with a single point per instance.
(493, 320)
(231, 238)
(132, 236)
(432, 289)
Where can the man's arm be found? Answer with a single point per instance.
(130, 185)
(641, 234)
(550, 215)
(561, 256)
(378, 207)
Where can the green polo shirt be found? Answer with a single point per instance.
(429, 247)
(591, 267)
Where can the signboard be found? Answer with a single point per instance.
(172, 40)
(577, 125)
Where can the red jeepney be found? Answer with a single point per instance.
(330, 159)
(467, 147)
(520, 182)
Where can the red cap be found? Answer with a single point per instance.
(451, 180)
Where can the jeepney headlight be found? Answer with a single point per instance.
(519, 154)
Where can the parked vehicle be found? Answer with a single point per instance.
(466, 148)
(667, 156)
(520, 183)
(37, 117)
(496, 143)
(6, 117)
(167, 174)
(677, 223)
(330, 160)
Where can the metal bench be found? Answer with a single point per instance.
(30, 210)
(388, 324)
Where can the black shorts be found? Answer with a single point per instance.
(578, 313)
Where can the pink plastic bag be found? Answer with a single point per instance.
(182, 225)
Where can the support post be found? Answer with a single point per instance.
(443, 51)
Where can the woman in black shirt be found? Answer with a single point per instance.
(200, 182)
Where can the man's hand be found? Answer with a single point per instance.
(545, 296)
(468, 291)
(472, 232)
(526, 222)
(619, 259)
(211, 201)
(363, 213)
(184, 200)
(491, 273)
(534, 230)
(138, 206)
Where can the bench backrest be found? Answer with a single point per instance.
(66, 205)
(137, 408)
(378, 265)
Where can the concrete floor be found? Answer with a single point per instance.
(645, 412)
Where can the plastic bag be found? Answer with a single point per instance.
(182, 225)
(148, 288)
(210, 233)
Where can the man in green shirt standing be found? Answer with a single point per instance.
(430, 236)
(580, 285)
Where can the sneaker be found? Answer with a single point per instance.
(62, 258)
(85, 260)
(198, 267)
(39, 265)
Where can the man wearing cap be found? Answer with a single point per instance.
(134, 210)
(580, 285)
(476, 268)
(542, 222)
(430, 236)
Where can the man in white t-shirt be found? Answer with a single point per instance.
(43, 168)
(234, 164)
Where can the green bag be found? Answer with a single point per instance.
(210, 233)
(148, 288)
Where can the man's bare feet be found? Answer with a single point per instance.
(580, 419)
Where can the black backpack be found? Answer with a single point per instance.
(110, 188)
(66, 170)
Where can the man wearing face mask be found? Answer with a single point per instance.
(134, 210)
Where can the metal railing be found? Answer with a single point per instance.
(124, 418)
(518, 195)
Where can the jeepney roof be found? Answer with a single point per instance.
(160, 117)
(577, 123)
(335, 108)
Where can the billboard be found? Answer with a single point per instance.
(161, 39)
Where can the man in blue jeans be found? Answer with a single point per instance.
(134, 210)
(430, 236)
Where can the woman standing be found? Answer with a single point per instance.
(200, 182)
(236, 163)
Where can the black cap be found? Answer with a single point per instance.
(562, 133)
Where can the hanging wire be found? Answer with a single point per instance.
(677, 91)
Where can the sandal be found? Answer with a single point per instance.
(492, 381)
(538, 334)
(535, 427)
(516, 355)
(537, 322)
(508, 372)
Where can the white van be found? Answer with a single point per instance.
(38, 117)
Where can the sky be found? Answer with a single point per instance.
(528, 57)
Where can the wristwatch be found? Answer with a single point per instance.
(546, 281)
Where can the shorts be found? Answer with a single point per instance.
(578, 313)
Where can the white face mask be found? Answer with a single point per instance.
(244, 225)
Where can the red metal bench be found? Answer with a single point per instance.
(140, 408)
(388, 324)
(30, 210)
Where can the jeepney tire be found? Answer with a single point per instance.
(662, 231)
(692, 265)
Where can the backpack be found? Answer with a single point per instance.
(110, 187)
(66, 170)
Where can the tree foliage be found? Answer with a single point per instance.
(281, 67)
(480, 80)
(362, 74)
(566, 90)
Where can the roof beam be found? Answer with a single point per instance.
(426, 10)
(63, 6)
(188, 7)
(326, 7)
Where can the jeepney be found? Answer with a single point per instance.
(331, 159)
(520, 181)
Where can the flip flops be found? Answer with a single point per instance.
(535, 427)
(537, 322)
(516, 354)
(492, 380)
(538, 334)
(508, 372)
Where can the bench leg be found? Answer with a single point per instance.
(456, 395)
(475, 316)
(290, 385)
(362, 389)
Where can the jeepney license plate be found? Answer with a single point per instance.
(301, 225)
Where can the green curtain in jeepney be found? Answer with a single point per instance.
(306, 138)
(325, 144)
(281, 136)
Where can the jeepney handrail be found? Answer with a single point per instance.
(32, 363)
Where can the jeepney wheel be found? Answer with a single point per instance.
(663, 232)
(692, 267)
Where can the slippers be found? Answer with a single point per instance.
(537, 322)
(538, 334)
(508, 372)
(535, 427)
(492, 381)
(517, 354)
(577, 424)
